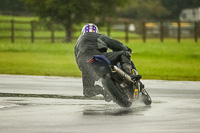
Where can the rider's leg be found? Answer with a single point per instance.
(124, 58)
(128, 65)
(91, 90)
(88, 85)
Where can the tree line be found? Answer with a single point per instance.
(69, 12)
(156, 9)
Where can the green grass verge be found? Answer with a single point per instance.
(18, 18)
(154, 60)
(38, 59)
(169, 60)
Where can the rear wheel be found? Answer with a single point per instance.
(122, 96)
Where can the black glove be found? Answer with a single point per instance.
(128, 54)
(129, 50)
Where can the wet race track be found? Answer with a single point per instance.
(37, 104)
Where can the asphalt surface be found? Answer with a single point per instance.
(40, 104)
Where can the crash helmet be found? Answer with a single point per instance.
(89, 28)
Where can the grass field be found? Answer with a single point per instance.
(169, 60)
(154, 60)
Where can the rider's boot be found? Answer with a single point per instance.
(100, 90)
(127, 69)
(106, 96)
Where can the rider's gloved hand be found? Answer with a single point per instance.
(127, 54)
(129, 50)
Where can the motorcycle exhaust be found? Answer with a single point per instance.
(120, 76)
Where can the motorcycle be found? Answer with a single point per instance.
(120, 87)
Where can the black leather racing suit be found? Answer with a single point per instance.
(91, 44)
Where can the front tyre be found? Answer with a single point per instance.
(146, 99)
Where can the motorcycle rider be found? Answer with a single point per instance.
(90, 43)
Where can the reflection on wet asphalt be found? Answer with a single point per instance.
(116, 112)
(55, 104)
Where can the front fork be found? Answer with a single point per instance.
(138, 86)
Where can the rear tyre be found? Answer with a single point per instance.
(119, 95)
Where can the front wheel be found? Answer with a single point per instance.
(146, 99)
(120, 95)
